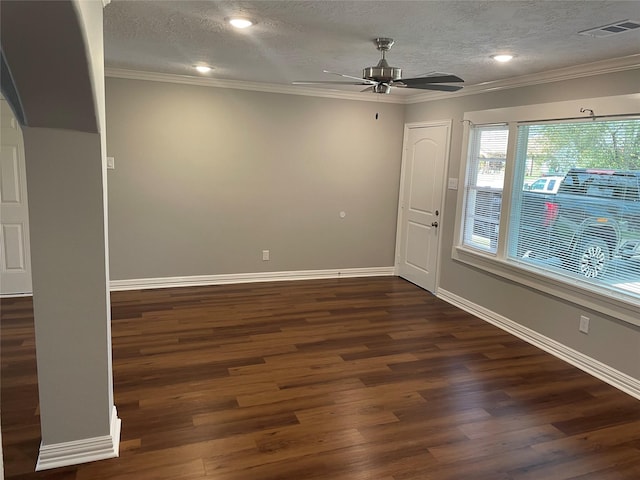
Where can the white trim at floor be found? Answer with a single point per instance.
(200, 280)
(82, 451)
(607, 374)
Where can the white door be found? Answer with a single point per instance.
(426, 148)
(15, 262)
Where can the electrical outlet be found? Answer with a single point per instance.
(584, 324)
(265, 255)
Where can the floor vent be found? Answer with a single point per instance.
(612, 29)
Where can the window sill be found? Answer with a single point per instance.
(614, 304)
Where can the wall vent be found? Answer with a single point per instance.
(612, 28)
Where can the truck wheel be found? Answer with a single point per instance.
(593, 258)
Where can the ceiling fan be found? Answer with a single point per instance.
(382, 77)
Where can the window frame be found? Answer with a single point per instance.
(575, 290)
(473, 170)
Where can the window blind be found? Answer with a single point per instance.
(483, 186)
(587, 225)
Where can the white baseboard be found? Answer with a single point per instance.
(201, 280)
(16, 295)
(607, 374)
(82, 451)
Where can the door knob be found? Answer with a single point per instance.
(434, 224)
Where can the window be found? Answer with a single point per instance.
(483, 188)
(586, 230)
(555, 205)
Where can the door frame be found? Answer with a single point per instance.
(403, 170)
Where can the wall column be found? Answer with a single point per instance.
(70, 294)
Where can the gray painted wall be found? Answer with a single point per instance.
(610, 341)
(207, 178)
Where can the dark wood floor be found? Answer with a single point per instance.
(345, 379)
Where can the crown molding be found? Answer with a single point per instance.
(252, 86)
(630, 62)
(612, 65)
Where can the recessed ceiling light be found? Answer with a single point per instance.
(502, 58)
(203, 68)
(240, 22)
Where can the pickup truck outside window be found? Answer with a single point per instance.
(590, 228)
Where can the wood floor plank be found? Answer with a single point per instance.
(341, 379)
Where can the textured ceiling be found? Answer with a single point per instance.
(296, 40)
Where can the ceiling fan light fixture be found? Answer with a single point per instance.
(502, 57)
(382, 88)
(203, 68)
(240, 22)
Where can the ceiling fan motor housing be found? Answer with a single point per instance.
(382, 73)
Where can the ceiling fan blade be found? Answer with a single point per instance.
(432, 73)
(430, 86)
(304, 82)
(365, 80)
(431, 79)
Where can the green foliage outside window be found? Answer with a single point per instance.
(611, 145)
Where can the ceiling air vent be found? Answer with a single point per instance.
(612, 28)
